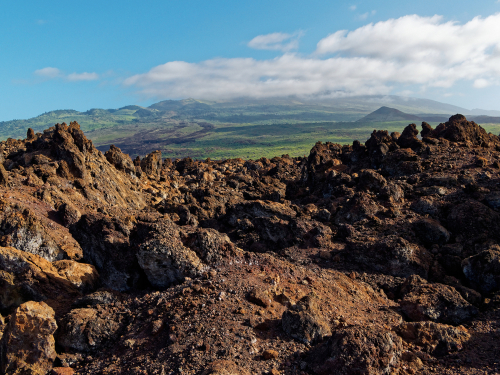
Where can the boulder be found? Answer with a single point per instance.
(25, 231)
(304, 321)
(424, 206)
(483, 270)
(119, 160)
(391, 255)
(106, 246)
(371, 180)
(69, 213)
(151, 164)
(81, 275)
(260, 297)
(358, 350)
(378, 145)
(210, 245)
(408, 138)
(88, 329)
(431, 232)
(401, 162)
(164, 258)
(434, 338)
(28, 345)
(426, 130)
(359, 207)
(458, 129)
(440, 303)
(4, 176)
(472, 222)
(25, 276)
(30, 134)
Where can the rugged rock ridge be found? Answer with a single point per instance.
(374, 258)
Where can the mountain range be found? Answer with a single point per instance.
(243, 127)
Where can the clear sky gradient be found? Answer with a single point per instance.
(107, 54)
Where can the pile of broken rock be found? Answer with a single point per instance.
(375, 258)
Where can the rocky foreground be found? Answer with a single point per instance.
(380, 258)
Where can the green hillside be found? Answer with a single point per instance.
(238, 128)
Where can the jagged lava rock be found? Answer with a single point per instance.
(458, 129)
(25, 231)
(84, 276)
(483, 270)
(28, 345)
(88, 329)
(63, 152)
(434, 338)
(431, 232)
(357, 350)
(151, 164)
(435, 302)
(27, 276)
(391, 255)
(178, 246)
(121, 161)
(304, 321)
(408, 138)
(164, 258)
(106, 245)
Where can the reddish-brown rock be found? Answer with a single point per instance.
(213, 266)
(28, 345)
(436, 302)
(434, 338)
(358, 350)
(304, 321)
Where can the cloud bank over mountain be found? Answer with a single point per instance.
(374, 59)
(403, 55)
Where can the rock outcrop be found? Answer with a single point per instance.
(372, 258)
(163, 257)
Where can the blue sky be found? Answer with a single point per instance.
(94, 54)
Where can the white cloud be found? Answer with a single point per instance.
(378, 58)
(53, 73)
(48, 72)
(414, 38)
(481, 83)
(352, 7)
(286, 75)
(276, 41)
(363, 16)
(82, 76)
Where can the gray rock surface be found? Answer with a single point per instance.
(304, 322)
(483, 270)
(165, 259)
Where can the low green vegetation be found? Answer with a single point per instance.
(251, 141)
(219, 130)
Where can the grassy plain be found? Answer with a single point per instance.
(220, 130)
